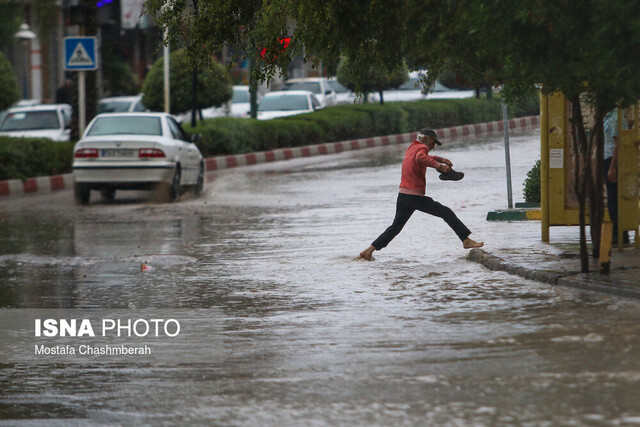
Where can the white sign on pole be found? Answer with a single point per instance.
(556, 158)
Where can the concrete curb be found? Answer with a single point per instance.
(495, 263)
(617, 283)
(48, 184)
(39, 185)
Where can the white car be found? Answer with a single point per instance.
(343, 95)
(240, 105)
(121, 104)
(318, 85)
(287, 103)
(38, 121)
(135, 151)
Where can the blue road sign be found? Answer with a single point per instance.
(80, 54)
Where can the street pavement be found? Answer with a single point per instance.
(310, 336)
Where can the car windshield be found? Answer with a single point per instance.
(337, 86)
(113, 106)
(31, 120)
(240, 96)
(138, 125)
(284, 103)
(310, 86)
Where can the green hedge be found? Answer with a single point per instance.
(22, 158)
(223, 136)
(25, 157)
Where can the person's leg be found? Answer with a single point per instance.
(430, 206)
(404, 210)
(612, 199)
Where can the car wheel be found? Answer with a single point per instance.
(108, 194)
(175, 189)
(200, 183)
(81, 193)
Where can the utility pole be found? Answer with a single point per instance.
(507, 155)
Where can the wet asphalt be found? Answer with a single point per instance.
(310, 336)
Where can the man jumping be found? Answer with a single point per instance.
(411, 196)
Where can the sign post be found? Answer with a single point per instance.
(81, 54)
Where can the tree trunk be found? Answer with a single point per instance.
(581, 177)
(596, 198)
(253, 86)
(381, 98)
(194, 96)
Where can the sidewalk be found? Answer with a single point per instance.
(558, 263)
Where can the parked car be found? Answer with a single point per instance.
(121, 104)
(343, 95)
(318, 85)
(135, 151)
(51, 121)
(287, 103)
(240, 105)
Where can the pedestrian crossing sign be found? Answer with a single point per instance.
(80, 54)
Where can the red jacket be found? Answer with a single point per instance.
(414, 168)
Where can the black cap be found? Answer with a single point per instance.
(432, 134)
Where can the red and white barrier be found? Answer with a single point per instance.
(48, 184)
(466, 131)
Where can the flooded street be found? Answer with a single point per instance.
(310, 336)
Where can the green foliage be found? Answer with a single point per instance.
(118, 78)
(22, 158)
(340, 123)
(213, 85)
(9, 90)
(532, 184)
(369, 78)
(30, 157)
(10, 20)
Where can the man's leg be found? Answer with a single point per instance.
(612, 201)
(404, 210)
(430, 206)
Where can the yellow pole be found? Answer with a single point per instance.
(544, 165)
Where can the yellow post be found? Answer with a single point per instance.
(628, 201)
(544, 165)
(605, 246)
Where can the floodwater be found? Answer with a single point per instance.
(420, 336)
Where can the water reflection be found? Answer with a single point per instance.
(418, 337)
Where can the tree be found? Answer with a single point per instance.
(117, 77)
(587, 49)
(206, 28)
(9, 89)
(372, 79)
(10, 20)
(213, 85)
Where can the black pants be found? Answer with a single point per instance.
(406, 205)
(612, 199)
